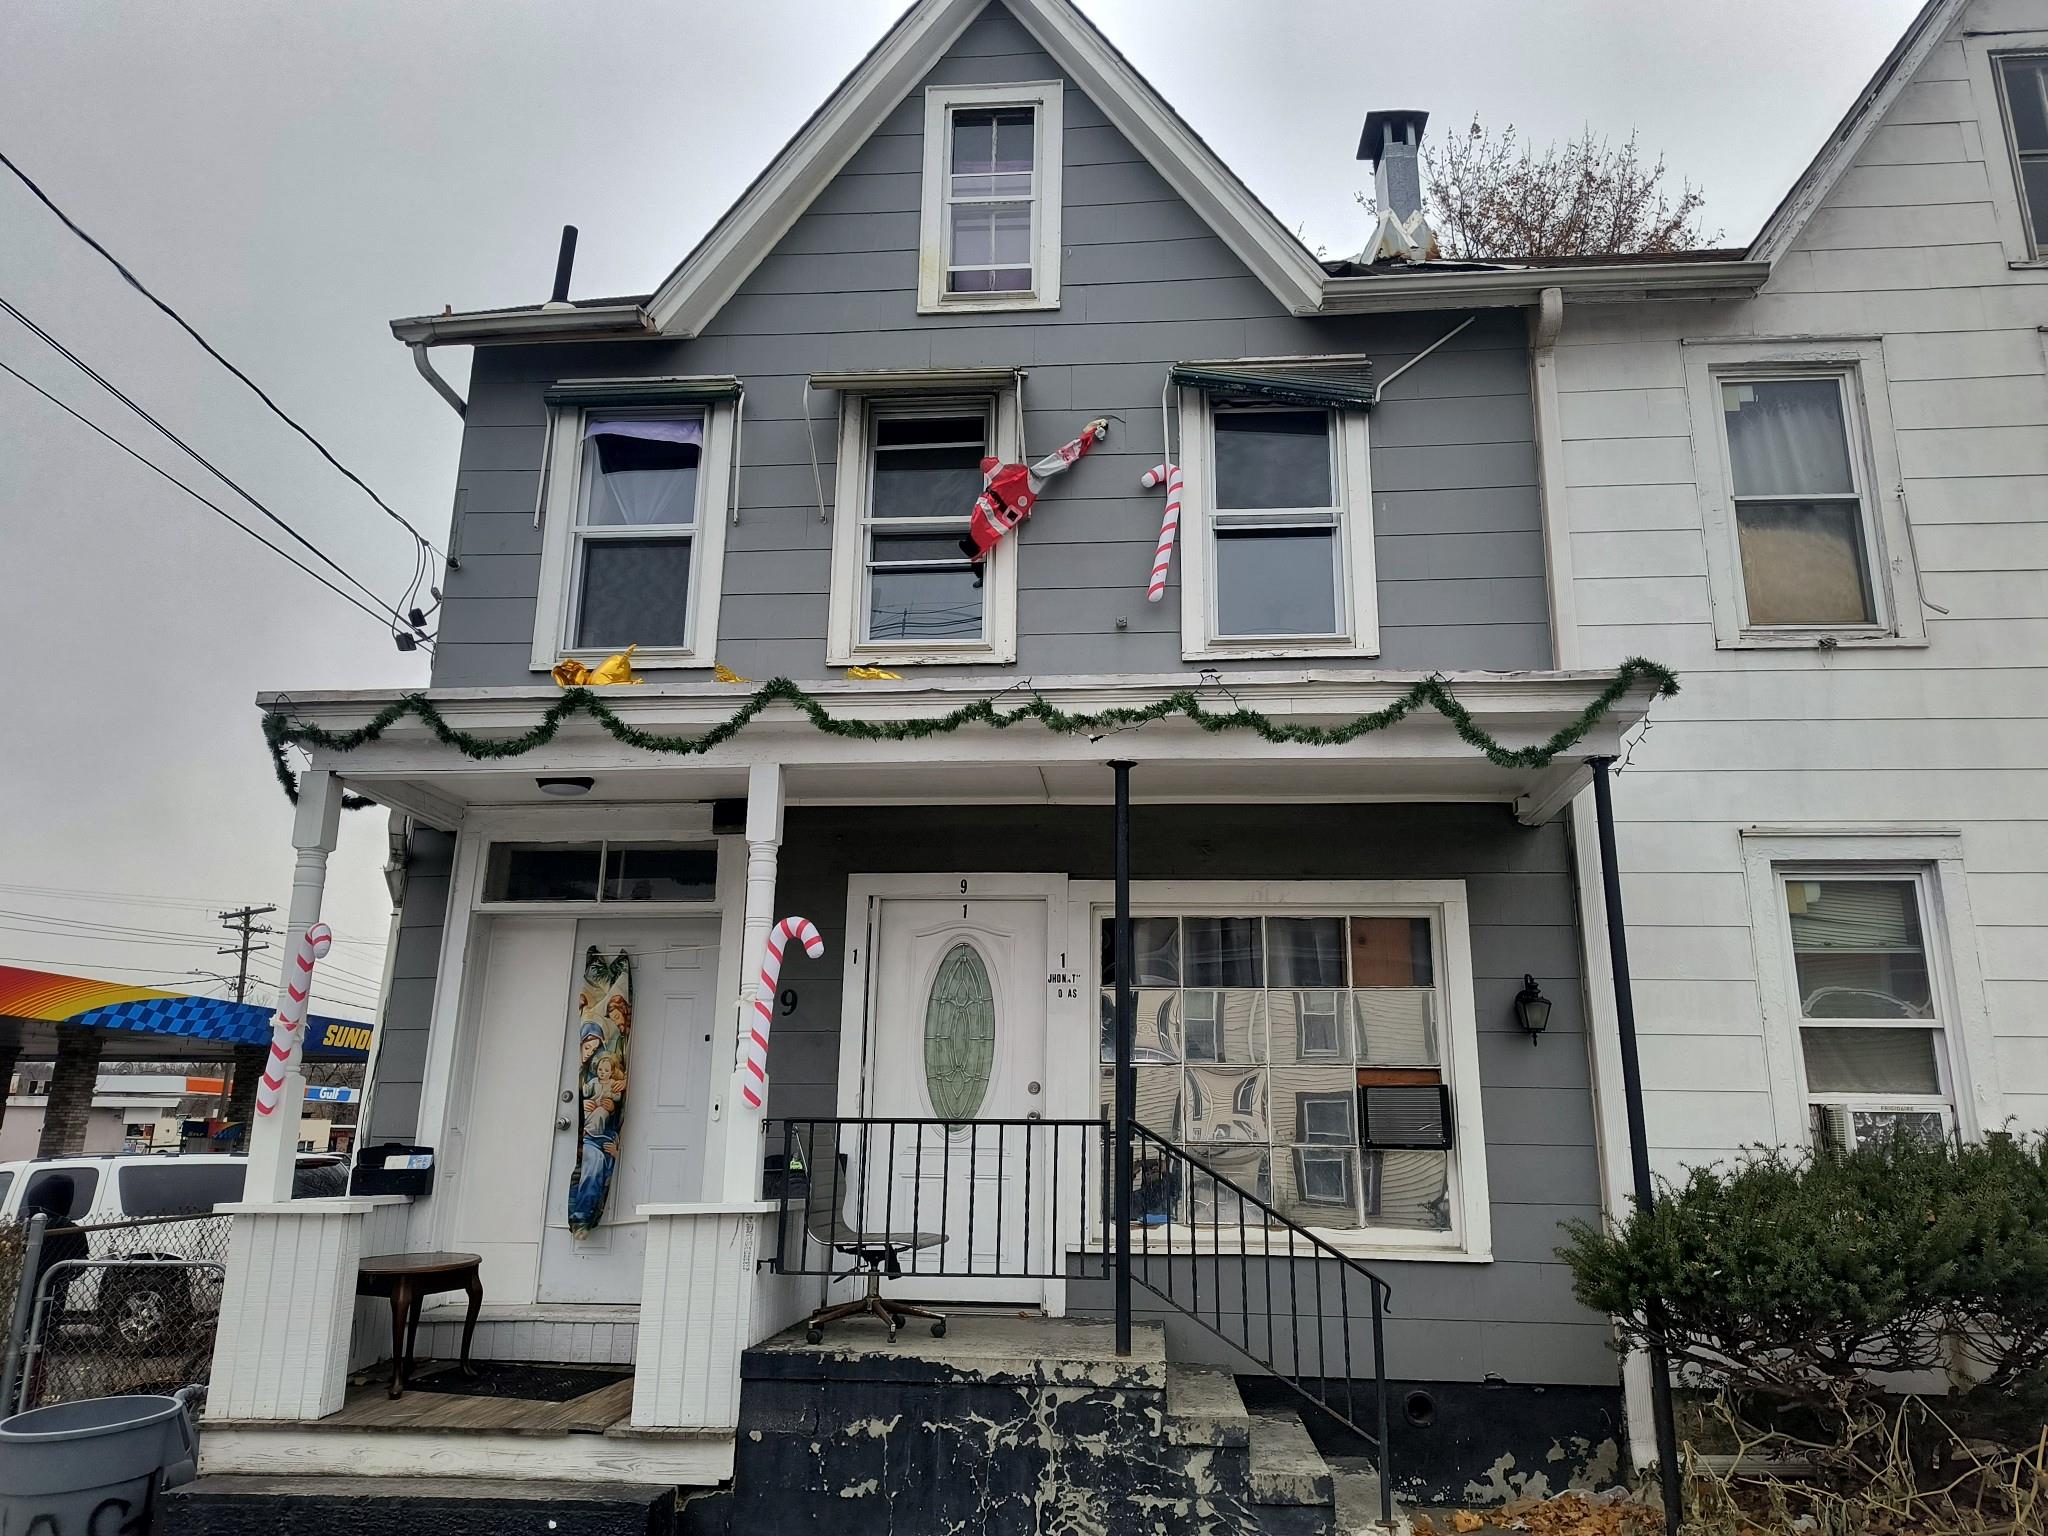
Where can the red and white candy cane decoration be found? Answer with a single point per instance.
(754, 1076)
(291, 1016)
(1170, 475)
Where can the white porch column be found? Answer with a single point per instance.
(739, 1148)
(274, 1138)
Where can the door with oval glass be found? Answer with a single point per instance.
(956, 1033)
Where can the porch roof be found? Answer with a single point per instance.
(1420, 758)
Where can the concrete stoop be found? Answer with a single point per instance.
(1018, 1427)
(409, 1506)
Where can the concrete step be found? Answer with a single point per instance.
(1357, 1484)
(1292, 1492)
(405, 1506)
(1204, 1407)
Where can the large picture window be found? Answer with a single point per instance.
(1296, 1053)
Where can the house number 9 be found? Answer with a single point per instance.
(787, 998)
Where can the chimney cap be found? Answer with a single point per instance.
(1372, 141)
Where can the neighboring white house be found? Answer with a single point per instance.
(1827, 507)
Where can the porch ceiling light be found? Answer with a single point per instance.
(564, 788)
(1532, 1009)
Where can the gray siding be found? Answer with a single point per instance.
(1144, 284)
(1514, 1317)
(402, 1033)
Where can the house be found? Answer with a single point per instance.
(1350, 1162)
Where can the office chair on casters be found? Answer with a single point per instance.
(876, 1252)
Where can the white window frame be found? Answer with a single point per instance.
(1894, 580)
(940, 101)
(845, 644)
(1933, 859)
(561, 538)
(1356, 568)
(1980, 56)
(1444, 902)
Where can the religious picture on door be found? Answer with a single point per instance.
(604, 1010)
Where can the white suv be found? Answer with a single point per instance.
(151, 1292)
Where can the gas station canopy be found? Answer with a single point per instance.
(142, 1022)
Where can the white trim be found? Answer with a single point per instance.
(1470, 1239)
(1995, 133)
(1048, 153)
(1817, 182)
(562, 479)
(1069, 1035)
(1873, 453)
(847, 607)
(1358, 596)
(1935, 861)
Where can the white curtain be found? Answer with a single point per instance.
(642, 497)
(1786, 438)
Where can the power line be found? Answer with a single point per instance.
(128, 898)
(211, 351)
(207, 464)
(282, 554)
(242, 923)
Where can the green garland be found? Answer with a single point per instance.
(281, 732)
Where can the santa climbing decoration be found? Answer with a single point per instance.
(1010, 491)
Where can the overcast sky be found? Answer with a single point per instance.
(294, 176)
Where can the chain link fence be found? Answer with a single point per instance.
(112, 1307)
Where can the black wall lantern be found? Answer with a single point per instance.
(1532, 1009)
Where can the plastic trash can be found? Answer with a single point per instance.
(94, 1465)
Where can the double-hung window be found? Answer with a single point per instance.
(1873, 1039)
(991, 206)
(904, 586)
(2023, 93)
(1309, 1055)
(1798, 482)
(632, 517)
(1873, 999)
(1277, 554)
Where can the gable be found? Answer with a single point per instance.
(1827, 169)
(1134, 250)
(875, 97)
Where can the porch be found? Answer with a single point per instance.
(1399, 870)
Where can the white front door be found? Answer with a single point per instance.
(662, 1129)
(957, 1032)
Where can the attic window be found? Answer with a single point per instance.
(991, 205)
(2023, 86)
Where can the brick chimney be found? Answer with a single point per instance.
(1392, 141)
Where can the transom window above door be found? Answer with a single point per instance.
(1277, 555)
(904, 589)
(633, 532)
(1308, 1058)
(991, 204)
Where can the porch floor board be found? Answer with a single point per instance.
(367, 1406)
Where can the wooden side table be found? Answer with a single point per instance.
(408, 1279)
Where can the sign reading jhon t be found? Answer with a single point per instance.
(605, 1029)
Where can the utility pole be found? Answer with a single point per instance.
(242, 921)
(239, 1102)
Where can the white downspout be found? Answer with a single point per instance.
(441, 386)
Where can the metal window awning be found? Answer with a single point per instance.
(697, 389)
(912, 381)
(1344, 382)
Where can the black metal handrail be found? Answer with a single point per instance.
(939, 1199)
(1254, 1243)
